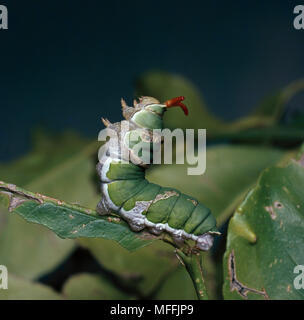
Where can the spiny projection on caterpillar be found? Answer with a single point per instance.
(142, 204)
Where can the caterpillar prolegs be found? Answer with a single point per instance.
(141, 203)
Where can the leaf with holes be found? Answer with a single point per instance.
(265, 237)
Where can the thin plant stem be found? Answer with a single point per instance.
(193, 264)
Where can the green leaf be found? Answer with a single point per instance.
(265, 237)
(230, 172)
(164, 86)
(66, 220)
(22, 289)
(85, 286)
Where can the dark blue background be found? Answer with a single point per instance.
(64, 64)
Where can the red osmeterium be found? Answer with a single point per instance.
(176, 102)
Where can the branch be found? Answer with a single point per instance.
(193, 264)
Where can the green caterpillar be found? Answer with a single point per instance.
(141, 203)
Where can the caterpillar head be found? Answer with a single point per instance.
(148, 112)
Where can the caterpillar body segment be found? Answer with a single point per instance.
(142, 204)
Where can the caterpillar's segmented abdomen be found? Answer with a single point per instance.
(146, 205)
